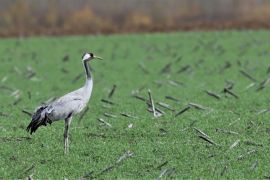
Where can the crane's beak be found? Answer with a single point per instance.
(96, 57)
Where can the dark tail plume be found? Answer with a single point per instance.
(38, 119)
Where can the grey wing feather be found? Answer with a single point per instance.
(61, 108)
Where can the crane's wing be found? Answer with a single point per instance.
(39, 118)
(61, 108)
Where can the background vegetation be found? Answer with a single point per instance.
(27, 17)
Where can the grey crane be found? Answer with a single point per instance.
(65, 107)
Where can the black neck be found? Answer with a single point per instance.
(87, 70)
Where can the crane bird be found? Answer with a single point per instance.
(65, 107)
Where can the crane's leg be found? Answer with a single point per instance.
(67, 124)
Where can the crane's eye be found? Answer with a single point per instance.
(91, 54)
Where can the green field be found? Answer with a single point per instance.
(228, 138)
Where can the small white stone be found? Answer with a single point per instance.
(130, 125)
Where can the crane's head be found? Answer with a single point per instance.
(89, 56)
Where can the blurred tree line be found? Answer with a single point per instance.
(27, 17)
